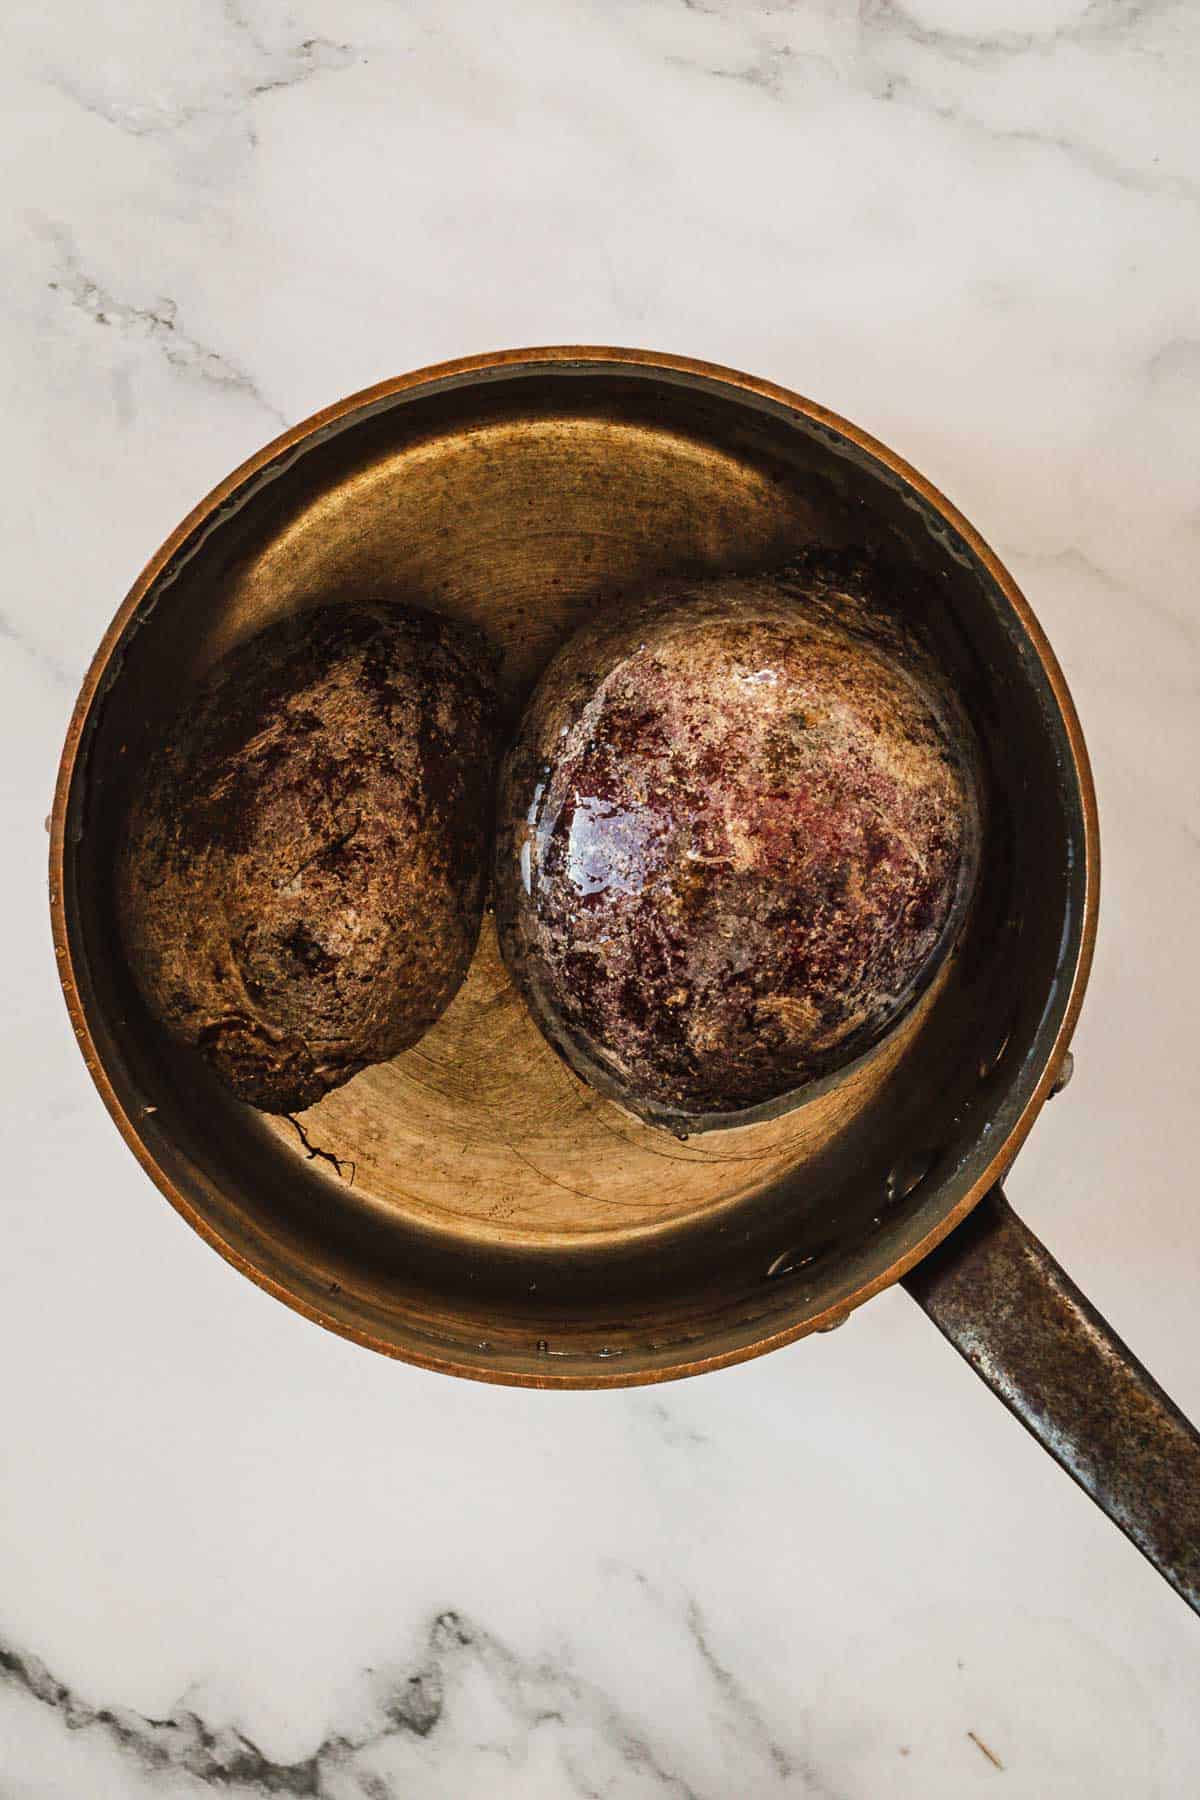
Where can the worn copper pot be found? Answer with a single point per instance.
(473, 1207)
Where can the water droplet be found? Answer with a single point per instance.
(908, 1174)
(789, 1262)
(990, 1061)
(532, 811)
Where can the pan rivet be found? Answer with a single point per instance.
(1066, 1069)
(543, 1347)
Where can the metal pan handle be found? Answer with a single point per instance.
(1023, 1325)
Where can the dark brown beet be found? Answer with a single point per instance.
(300, 882)
(736, 831)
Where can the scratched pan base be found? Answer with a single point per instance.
(472, 1205)
(481, 1130)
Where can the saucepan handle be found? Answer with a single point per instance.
(1023, 1325)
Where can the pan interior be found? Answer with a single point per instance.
(472, 1203)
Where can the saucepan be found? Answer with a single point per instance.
(473, 1206)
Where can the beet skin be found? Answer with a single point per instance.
(301, 878)
(736, 832)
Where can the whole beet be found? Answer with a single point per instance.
(735, 834)
(300, 881)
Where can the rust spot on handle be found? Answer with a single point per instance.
(1023, 1325)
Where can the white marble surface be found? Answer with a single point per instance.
(239, 1556)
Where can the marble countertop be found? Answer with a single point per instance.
(240, 1556)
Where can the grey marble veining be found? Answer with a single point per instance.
(468, 1707)
(155, 323)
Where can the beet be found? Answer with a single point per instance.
(301, 876)
(736, 833)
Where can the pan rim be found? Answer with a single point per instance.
(575, 359)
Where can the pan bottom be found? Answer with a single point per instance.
(482, 1132)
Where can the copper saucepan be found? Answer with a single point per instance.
(471, 1206)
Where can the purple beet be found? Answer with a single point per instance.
(737, 832)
